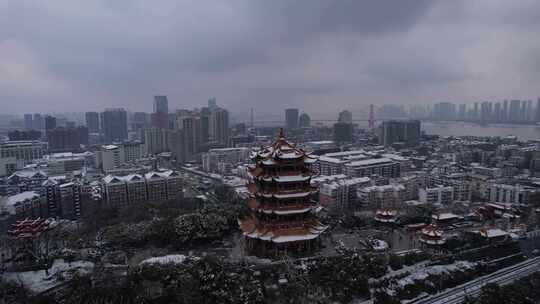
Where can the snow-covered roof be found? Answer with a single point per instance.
(383, 188)
(395, 157)
(444, 216)
(112, 179)
(344, 153)
(11, 200)
(66, 185)
(109, 147)
(153, 174)
(493, 232)
(133, 178)
(49, 182)
(346, 182)
(332, 160)
(29, 173)
(7, 204)
(432, 231)
(327, 178)
(369, 162)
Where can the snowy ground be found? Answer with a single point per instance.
(166, 259)
(410, 269)
(421, 273)
(41, 280)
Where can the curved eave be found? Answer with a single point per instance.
(289, 156)
(309, 234)
(287, 212)
(292, 195)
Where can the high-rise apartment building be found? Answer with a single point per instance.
(67, 139)
(212, 104)
(523, 111)
(161, 104)
(291, 119)
(537, 116)
(219, 126)
(160, 117)
(92, 121)
(190, 125)
(343, 132)
(38, 122)
(205, 125)
(28, 121)
(529, 116)
(444, 111)
(497, 114)
(462, 112)
(304, 121)
(404, 131)
(155, 140)
(504, 115)
(50, 123)
(485, 111)
(345, 116)
(114, 125)
(24, 135)
(140, 121)
(514, 111)
(215, 159)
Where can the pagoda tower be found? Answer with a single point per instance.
(283, 216)
(431, 235)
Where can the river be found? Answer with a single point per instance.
(456, 128)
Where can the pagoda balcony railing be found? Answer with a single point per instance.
(299, 171)
(254, 188)
(301, 187)
(287, 225)
(285, 207)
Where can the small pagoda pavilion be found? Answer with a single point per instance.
(431, 235)
(28, 237)
(386, 216)
(283, 215)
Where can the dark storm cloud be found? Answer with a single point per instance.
(62, 55)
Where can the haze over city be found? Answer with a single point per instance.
(270, 152)
(323, 56)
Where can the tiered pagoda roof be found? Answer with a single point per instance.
(432, 235)
(280, 196)
(253, 228)
(29, 229)
(386, 215)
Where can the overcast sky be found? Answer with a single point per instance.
(319, 55)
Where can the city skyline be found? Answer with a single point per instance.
(323, 56)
